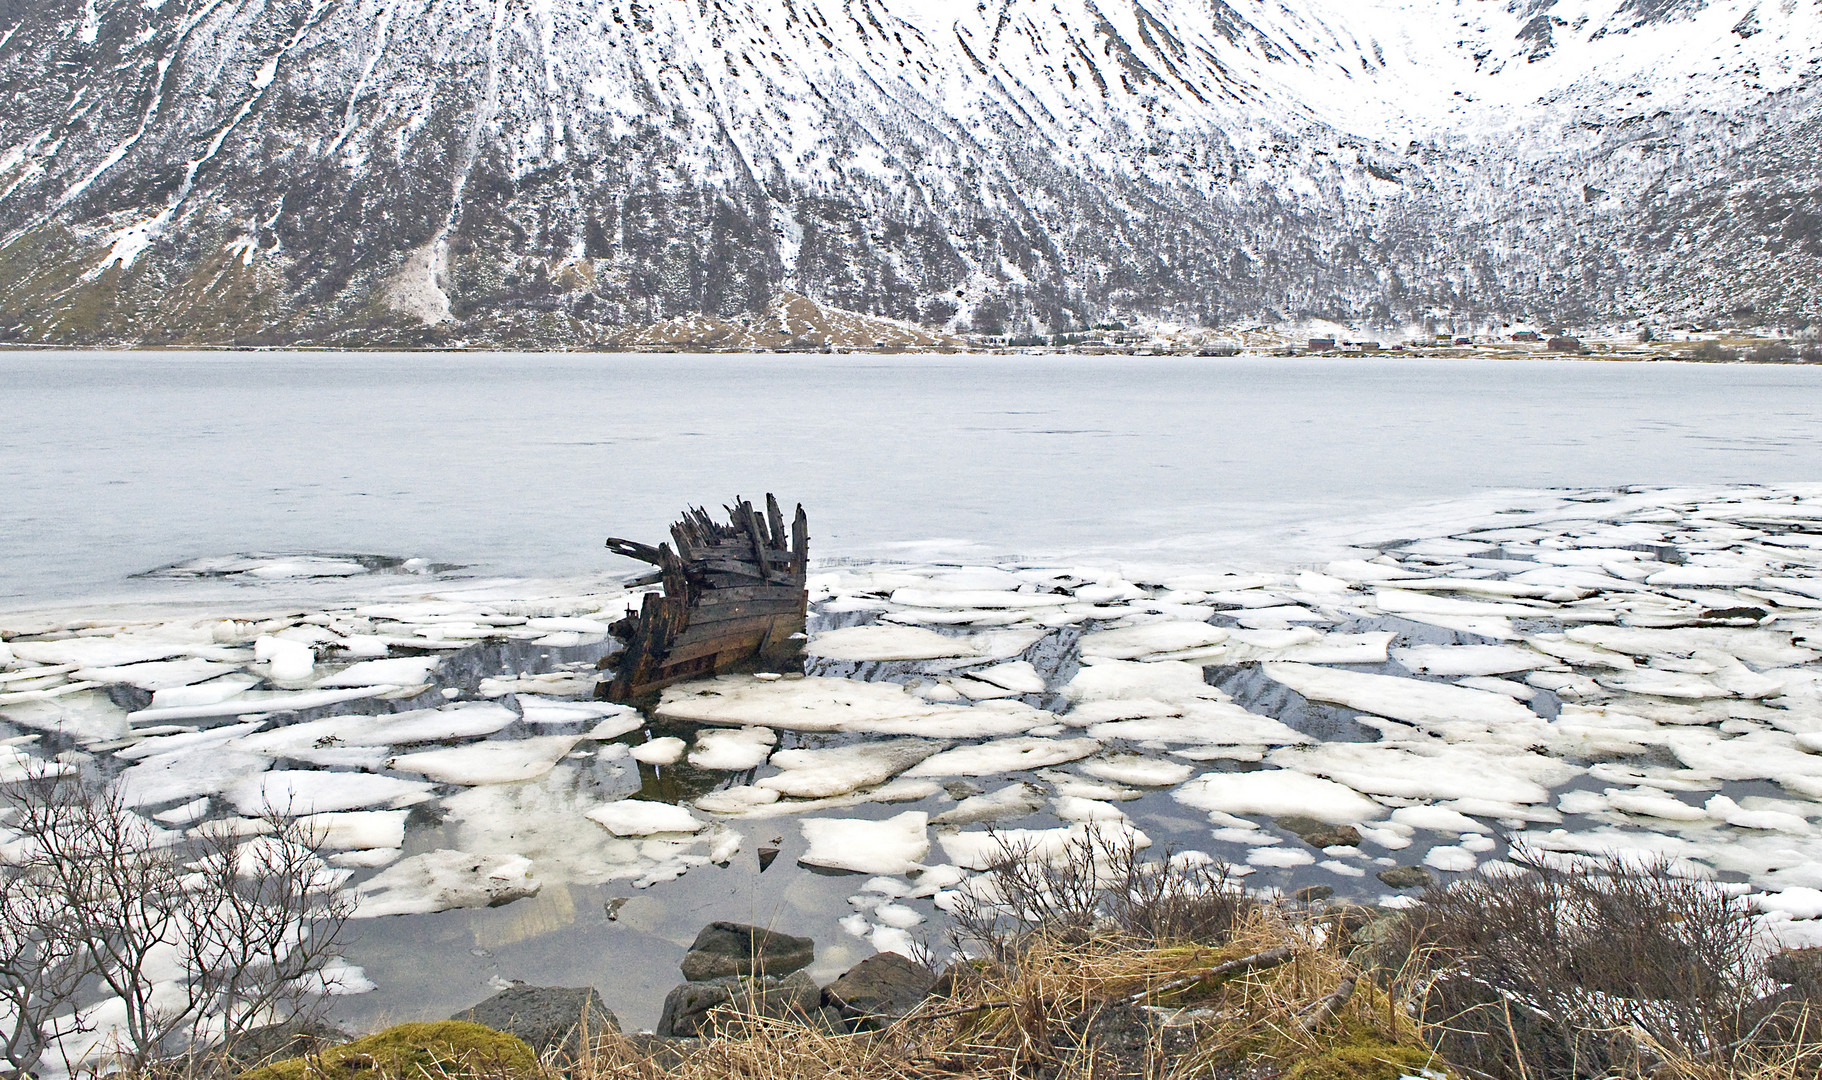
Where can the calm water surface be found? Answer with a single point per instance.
(115, 463)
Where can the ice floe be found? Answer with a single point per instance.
(894, 846)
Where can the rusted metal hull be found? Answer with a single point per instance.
(733, 595)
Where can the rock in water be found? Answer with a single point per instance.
(546, 1017)
(687, 1008)
(727, 948)
(884, 984)
(1407, 877)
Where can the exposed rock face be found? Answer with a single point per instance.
(546, 1017)
(687, 1008)
(884, 984)
(362, 172)
(725, 948)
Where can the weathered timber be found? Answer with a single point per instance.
(733, 595)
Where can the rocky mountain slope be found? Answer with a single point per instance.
(554, 172)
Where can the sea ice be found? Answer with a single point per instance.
(1004, 756)
(492, 762)
(732, 749)
(980, 850)
(445, 879)
(1452, 860)
(819, 703)
(1163, 680)
(356, 829)
(157, 675)
(1470, 659)
(819, 774)
(1150, 639)
(399, 671)
(205, 693)
(1019, 677)
(1279, 793)
(1136, 770)
(664, 750)
(1279, 857)
(1411, 700)
(182, 775)
(888, 641)
(286, 661)
(305, 792)
(638, 817)
(1012, 801)
(894, 846)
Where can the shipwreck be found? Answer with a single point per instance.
(734, 599)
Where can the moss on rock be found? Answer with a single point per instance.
(1367, 1057)
(448, 1048)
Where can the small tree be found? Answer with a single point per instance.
(248, 923)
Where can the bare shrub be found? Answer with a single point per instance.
(1713, 351)
(1772, 352)
(247, 923)
(1095, 886)
(1605, 966)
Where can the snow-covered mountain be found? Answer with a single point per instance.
(545, 171)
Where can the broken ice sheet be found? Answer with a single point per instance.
(1005, 755)
(732, 749)
(1279, 793)
(492, 762)
(886, 641)
(445, 879)
(1470, 659)
(305, 792)
(820, 703)
(895, 846)
(817, 774)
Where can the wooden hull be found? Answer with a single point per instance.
(733, 597)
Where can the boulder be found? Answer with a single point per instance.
(726, 949)
(884, 984)
(687, 1008)
(1407, 877)
(547, 1017)
(281, 1042)
(415, 1050)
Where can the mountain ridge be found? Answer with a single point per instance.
(385, 172)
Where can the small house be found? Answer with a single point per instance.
(1322, 344)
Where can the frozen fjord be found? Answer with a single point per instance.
(1630, 671)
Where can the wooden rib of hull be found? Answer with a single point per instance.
(733, 594)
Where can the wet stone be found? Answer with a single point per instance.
(884, 984)
(1407, 877)
(687, 1008)
(546, 1017)
(1311, 894)
(723, 949)
(1320, 834)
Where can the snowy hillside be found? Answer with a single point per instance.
(549, 171)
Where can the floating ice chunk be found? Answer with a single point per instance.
(638, 817)
(106, 652)
(665, 750)
(976, 690)
(1344, 869)
(732, 749)
(1019, 677)
(1004, 756)
(1470, 659)
(1452, 860)
(399, 671)
(829, 704)
(1515, 691)
(980, 850)
(551, 711)
(1012, 801)
(894, 846)
(1081, 787)
(1164, 680)
(887, 641)
(615, 725)
(285, 660)
(1673, 684)
(1798, 903)
(189, 740)
(207, 693)
(817, 774)
(1150, 639)
(1279, 857)
(188, 814)
(976, 598)
(1401, 602)
(465, 721)
(1577, 653)
(494, 762)
(1245, 647)
(1076, 808)
(304, 792)
(1136, 770)
(1279, 793)
(855, 924)
(356, 829)
(1763, 648)
(1437, 819)
(898, 916)
(157, 675)
(1430, 769)
(445, 879)
(260, 701)
(1207, 723)
(1723, 577)
(1725, 809)
(1410, 700)
(184, 775)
